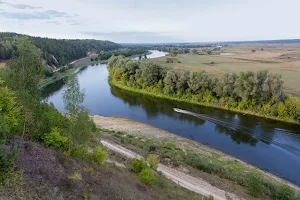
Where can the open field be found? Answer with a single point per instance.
(281, 59)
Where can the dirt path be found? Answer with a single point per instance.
(147, 131)
(191, 183)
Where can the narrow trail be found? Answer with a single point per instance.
(189, 182)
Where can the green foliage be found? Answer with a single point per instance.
(89, 170)
(55, 139)
(260, 92)
(9, 110)
(147, 177)
(153, 161)
(50, 118)
(98, 155)
(76, 176)
(81, 125)
(254, 185)
(284, 192)
(78, 151)
(124, 52)
(22, 76)
(58, 52)
(10, 180)
(138, 165)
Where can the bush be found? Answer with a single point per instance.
(75, 176)
(254, 185)
(283, 192)
(98, 155)
(147, 177)
(153, 161)
(55, 139)
(138, 165)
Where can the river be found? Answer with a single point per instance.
(270, 145)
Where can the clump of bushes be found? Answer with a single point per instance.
(153, 161)
(98, 155)
(55, 139)
(145, 174)
(138, 165)
(147, 177)
(75, 176)
(169, 60)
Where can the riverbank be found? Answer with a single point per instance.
(219, 169)
(162, 96)
(62, 76)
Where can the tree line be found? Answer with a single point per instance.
(57, 52)
(259, 92)
(105, 55)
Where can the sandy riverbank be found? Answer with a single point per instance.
(147, 131)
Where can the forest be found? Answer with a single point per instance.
(56, 52)
(125, 52)
(255, 93)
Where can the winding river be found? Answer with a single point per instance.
(267, 144)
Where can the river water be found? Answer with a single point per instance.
(267, 144)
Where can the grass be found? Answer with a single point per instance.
(270, 58)
(255, 183)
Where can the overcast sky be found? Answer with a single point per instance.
(154, 20)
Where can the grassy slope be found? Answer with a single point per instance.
(270, 59)
(46, 177)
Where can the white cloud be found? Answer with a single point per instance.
(154, 21)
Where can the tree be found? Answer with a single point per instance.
(140, 57)
(198, 81)
(22, 76)
(195, 51)
(9, 109)
(273, 87)
(81, 124)
(170, 81)
(145, 56)
(151, 73)
(226, 86)
(246, 85)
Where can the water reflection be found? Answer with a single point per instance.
(257, 141)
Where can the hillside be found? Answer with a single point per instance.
(56, 52)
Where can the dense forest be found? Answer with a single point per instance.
(260, 93)
(56, 52)
(125, 52)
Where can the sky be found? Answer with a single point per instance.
(155, 21)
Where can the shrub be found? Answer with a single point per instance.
(153, 161)
(98, 155)
(89, 170)
(254, 185)
(55, 139)
(283, 192)
(75, 176)
(79, 151)
(147, 177)
(138, 165)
